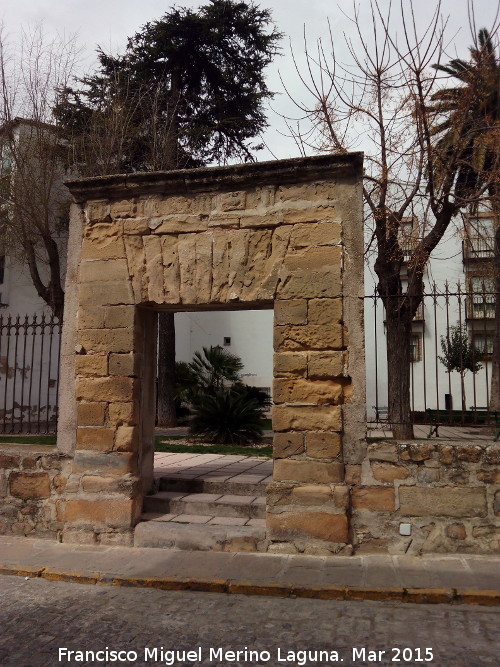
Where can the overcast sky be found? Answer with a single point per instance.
(107, 23)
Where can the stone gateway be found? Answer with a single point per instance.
(286, 235)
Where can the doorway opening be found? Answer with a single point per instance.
(210, 477)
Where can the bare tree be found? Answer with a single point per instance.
(383, 99)
(34, 203)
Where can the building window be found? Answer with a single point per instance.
(2, 268)
(227, 341)
(480, 239)
(416, 348)
(483, 344)
(483, 298)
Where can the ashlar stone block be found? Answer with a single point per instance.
(290, 364)
(442, 501)
(308, 471)
(309, 337)
(319, 525)
(313, 392)
(307, 418)
(293, 311)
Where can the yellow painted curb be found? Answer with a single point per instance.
(414, 595)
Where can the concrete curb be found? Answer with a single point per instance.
(414, 595)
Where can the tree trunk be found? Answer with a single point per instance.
(495, 361)
(398, 370)
(166, 370)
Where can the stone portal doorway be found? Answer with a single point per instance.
(286, 235)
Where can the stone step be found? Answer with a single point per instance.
(186, 533)
(208, 485)
(206, 504)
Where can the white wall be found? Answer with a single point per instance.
(251, 333)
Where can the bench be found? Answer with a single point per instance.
(381, 412)
(480, 415)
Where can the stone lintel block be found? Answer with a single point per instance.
(323, 445)
(325, 311)
(29, 486)
(106, 293)
(123, 208)
(308, 213)
(98, 462)
(119, 512)
(307, 418)
(232, 201)
(388, 472)
(324, 365)
(124, 364)
(95, 438)
(315, 234)
(180, 224)
(160, 206)
(287, 444)
(103, 241)
(292, 311)
(304, 525)
(229, 220)
(127, 439)
(107, 389)
(442, 501)
(91, 364)
(373, 498)
(124, 413)
(308, 337)
(290, 364)
(260, 218)
(90, 414)
(136, 227)
(299, 390)
(294, 470)
(96, 270)
(106, 340)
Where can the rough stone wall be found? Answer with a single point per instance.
(448, 491)
(32, 484)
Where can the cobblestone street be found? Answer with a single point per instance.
(38, 617)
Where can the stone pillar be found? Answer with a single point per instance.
(113, 394)
(319, 304)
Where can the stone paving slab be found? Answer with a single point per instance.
(401, 578)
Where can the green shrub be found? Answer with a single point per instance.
(227, 417)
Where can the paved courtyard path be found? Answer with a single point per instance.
(39, 617)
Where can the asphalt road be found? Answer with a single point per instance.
(42, 621)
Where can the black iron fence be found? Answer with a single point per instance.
(29, 373)
(452, 346)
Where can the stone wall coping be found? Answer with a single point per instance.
(293, 170)
(20, 448)
(440, 443)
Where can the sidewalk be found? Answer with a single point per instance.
(459, 578)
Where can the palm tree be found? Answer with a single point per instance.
(471, 127)
(470, 117)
